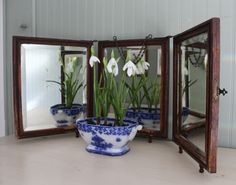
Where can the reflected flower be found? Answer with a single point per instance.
(70, 67)
(131, 68)
(185, 71)
(142, 66)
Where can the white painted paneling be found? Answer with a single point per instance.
(174, 17)
(233, 62)
(186, 14)
(2, 67)
(213, 8)
(91, 19)
(162, 18)
(199, 11)
(150, 17)
(17, 13)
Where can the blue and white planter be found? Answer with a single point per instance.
(66, 116)
(146, 117)
(107, 140)
(185, 113)
(151, 119)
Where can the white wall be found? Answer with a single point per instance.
(2, 100)
(93, 19)
(17, 13)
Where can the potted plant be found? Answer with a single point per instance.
(67, 113)
(105, 135)
(148, 90)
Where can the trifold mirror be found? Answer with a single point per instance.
(42, 82)
(44, 86)
(196, 92)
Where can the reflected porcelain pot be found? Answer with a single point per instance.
(185, 113)
(66, 116)
(107, 140)
(146, 117)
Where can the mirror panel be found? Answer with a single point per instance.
(151, 108)
(153, 76)
(195, 92)
(45, 71)
(39, 65)
(193, 87)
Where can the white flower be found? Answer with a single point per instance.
(131, 68)
(112, 66)
(70, 67)
(142, 66)
(93, 59)
(185, 71)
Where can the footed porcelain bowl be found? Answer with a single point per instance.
(107, 140)
(66, 116)
(149, 118)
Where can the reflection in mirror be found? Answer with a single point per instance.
(145, 88)
(194, 61)
(46, 71)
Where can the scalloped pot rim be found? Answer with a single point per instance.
(84, 121)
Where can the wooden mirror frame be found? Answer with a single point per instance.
(164, 43)
(17, 42)
(205, 159)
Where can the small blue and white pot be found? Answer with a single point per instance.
(149, 118)
(66, 116)
(185, 113)
(107, 140)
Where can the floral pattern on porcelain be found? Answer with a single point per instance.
(154, 114)
(66, 116)
(107, 140)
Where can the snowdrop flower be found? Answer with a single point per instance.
(70, 67)
(112, 66)
(142, 66)
(185, 71)
(131, 68)
(93, 58)
(205, 61)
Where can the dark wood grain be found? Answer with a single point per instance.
(17, 91)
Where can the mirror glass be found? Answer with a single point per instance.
(144, 101)
(45, 74)
(193, 87)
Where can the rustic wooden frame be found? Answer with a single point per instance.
(205, 159)
(17, 42)
(164, 43)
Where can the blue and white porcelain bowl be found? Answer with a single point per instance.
(66, 116)
(146, 117)
(107, 140)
